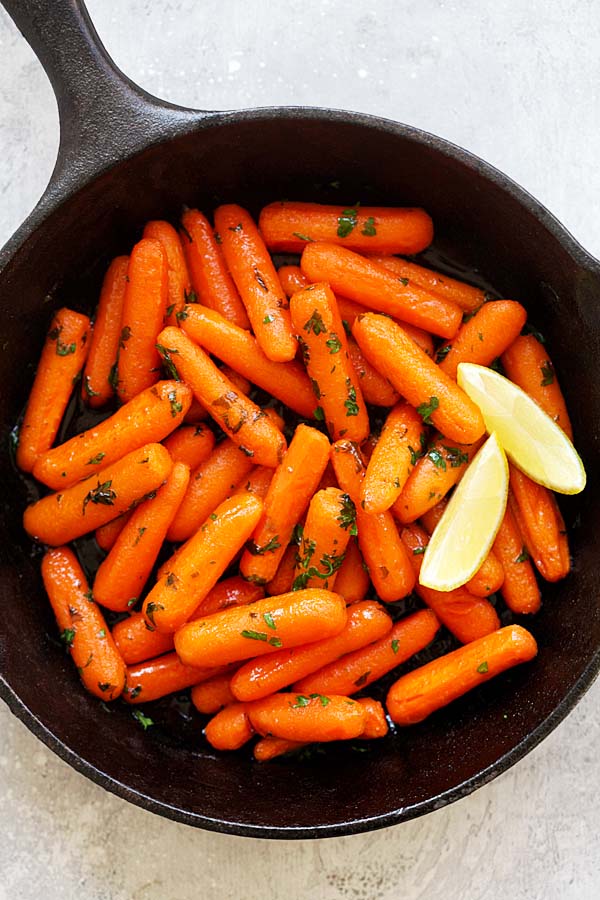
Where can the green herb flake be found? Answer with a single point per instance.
(270, 621)
(255, 635)
(319, 414)
(442, 353)
(67, 636)
(316, 388)
(151, 609)
(176, 405)
(321, 697)
(104, 686)
(88, 388)
(144, 721)
(102, 633)
(267, 320)
(547, 371)
(419, 551)
(65, 349)
(369, 229)
(132, 602)
(190, 296)
(168, 363)
(403, 281)
(334, 344)
(437, 459)
(414, 456)
(140, 534)
(395, 645)
(113, 377)
(301, 701)
(182, 315)
(302, 237)
(169, 311)
(523, 556)
(101, 495)
(456, 457)
(425, 410)
(347, 516)
(270, 547)
(347, 222)
(95, 459)
(362, 680)
(483, 667)
(315, 324)
(352, 408)
(275, 642)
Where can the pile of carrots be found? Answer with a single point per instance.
(281, 555)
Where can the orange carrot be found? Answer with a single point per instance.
(352, 580)
(295, 717)
(520, 590)
(291, 279)
(483, 337)
(136, 643)
(155, 678)
(213, 694)
(255, 277)
(60, 518)
(241, 384)
(437, 398)
(468, 297)
(287, 226)
(541, 524)
(121, 577)
(330, 520)
(107, 534)
(293, 484)
(213, 285)
(375, 388)
(275, 418)
(148, 418)
(234, 591)
(393, 459)
(365, 282)
(239, 417)
(376, 725)
(190, 444)
(423, 691)
(349, 311)
(269, 748)
(196, 413)
(61, 361)
(179, 283)
(257, 482)
(230, 729)
(527, 363)
(144, 307)
(97, 387)
(282, 581)
(274, 623)
(321, 335)
(82, 625)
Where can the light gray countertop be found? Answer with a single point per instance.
(516, 82)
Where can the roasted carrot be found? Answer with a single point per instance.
(352, 580)
(59, 518)
(213, 694)
(148, 418)
(349, 311)
(291, 279)
(107, 534)
(366, 622)
(483, 337)
(382, 550)
(375, 388)
(239, 417)
(213, 285)
(82, 625)
(423, 691)
(257, 482)
(233, 591)
(321, 335)
(155, 678)
(307, 719)
(64, 353)
(283, 579)
(178, 277)
(274, 623)
(287, 381)
(200, 564)
(468, 297)
(288, 225)
(541, 524)
(190, 444)
(436, 397)
(291, 488)
(330, 521)
(121, 577)
(393, 458)
(520, 589)
(526, 362)
(97, 387)
(144, 308)
(375, 287)
(136, 643)
(255, 277)
(230, 729)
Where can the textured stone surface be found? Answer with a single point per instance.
(518, 83)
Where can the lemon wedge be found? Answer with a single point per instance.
(463, 536)
(530, 438)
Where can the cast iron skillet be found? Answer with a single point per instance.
(126, 157)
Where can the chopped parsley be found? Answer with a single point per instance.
(267, 320)
(315, 324)
(334, 344)
(102, 495)
(547, 371)
(269, 621)
(88, 388)
(270, 547)
(419, 551)
(523, 556)
(483, 667)
(319, 414)
(302, 237)
(437, 459)
(261, 636)
(151, 609)
(168, 363)
(369, 229)
(176, 405)
(456, 457)
(442, 353)
(395, 645)
(347, 222)
(352, 408)
(145, 721)
(67, 636)
(426, 410)
(95, 459)
(347, 516)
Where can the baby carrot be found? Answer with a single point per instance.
(97, 386)
(239, 417)
(269, 748)
(375, 388)
(484, 337)
(287, 381)
(283, 579)
(321, 335)
(366, 622)
(468, 297)
(376, 725)
(393, 458)
(144, 307)
(190, 444)
(274, 416)
(148, 418)
(241, 632)
(213, 694)
(107, 534)
(527, 363)
(291, 279)
(234, 591)
(288, 225)
(365, 282)
(61, 361)
(307, 719)
(121, 577)
(155, 678)
(541, 524)
(257, 482)
(382, 550)
(436, 397)
(349, 311)
(82, 625)
(60, 518)
(213, 285)
(136, 643)
(294, 482)
(230, 729)
(255, 277)
(330, 520)
(356, 670)
(178, 277)
(520, 589)
(423, 691)
(352, 580)
(200, 564)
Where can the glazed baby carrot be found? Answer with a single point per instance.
(291, 279)
(64, 353)
(190, 444)
(97, 387)
(291, 488)
(148, 418)
(230, 729)
(393, 459)
(541, 524)
(213, 694)
(136, 643)
(307, 719)
(352, 580)
(269, 748)
(330, 521)
(387, 561)
(200, 564)
(436, 397)
(82, 625)
(365, 282)
(257, 482)
(288, 620)
(423, 691)
(236, 347)
(107, 534)
(366, 622)
(526, 362)
(255, 277)
(240, 383)
(375, 388)
(287, 226)
(321, 335)
(213, 285)
(468, 297)
(59, 518)
(121, 577)
(376, 725)
(239, 417)
(484, 337)
(155, 678)
(178, 277)
(520, 589)
(233, 591)
(349, 311)
(356, 670)
(144, 308)
(283, 579)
